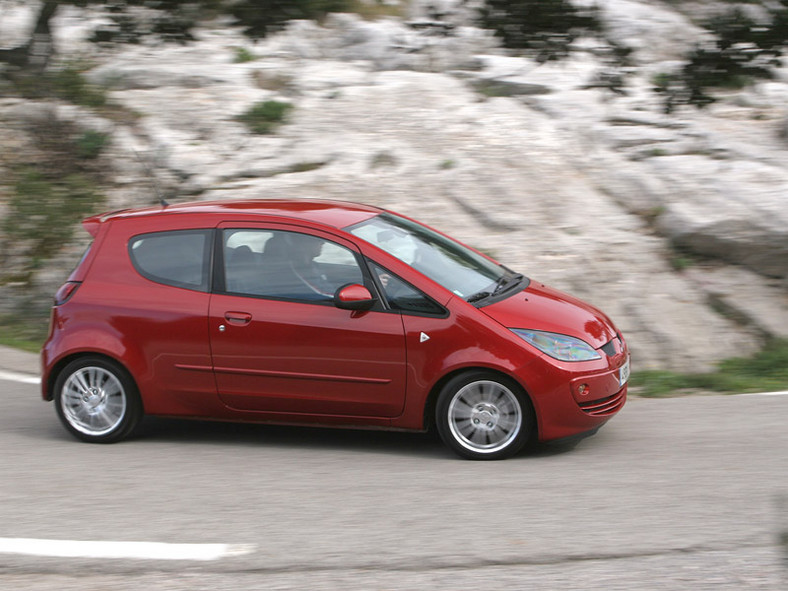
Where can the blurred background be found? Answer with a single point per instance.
(632, 153)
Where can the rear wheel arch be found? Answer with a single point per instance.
(96, 398)
(61, 364)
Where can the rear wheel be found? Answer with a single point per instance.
(96, 400)
(483, 416)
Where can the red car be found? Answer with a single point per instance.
(327, 313)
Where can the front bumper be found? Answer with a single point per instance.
(574, 398)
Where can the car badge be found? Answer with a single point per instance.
(424, 337)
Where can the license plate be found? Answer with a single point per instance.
(623, 375)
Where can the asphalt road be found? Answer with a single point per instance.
(681, 493)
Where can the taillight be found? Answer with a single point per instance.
(66, 291)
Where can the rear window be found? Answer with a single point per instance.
(179, 258)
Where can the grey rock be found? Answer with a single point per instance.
(735, 211)
(747, 296)
(131, 77)
(588, 192)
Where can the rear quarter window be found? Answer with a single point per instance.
(178, 258)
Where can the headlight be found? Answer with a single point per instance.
(558, 346)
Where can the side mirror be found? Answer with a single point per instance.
(353, 297)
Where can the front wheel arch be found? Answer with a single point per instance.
(437, 403)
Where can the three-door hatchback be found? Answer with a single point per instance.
(319, 312)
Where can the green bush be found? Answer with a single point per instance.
(90, 144)
(173, 20)
(261, 17)
(544, 29)
(174, 27)
(243, 55)
(48, 193)
(266, 116)
(69, 84)
(42, 213)
(766, 371)
(66, 83)
(741, 50)
(28, 334)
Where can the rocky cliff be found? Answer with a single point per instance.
(676, 225)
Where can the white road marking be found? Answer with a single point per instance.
(127, 550)
(12, 376)
(782, 393)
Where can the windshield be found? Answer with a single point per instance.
(456, 267)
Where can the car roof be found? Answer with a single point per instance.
(337, 214)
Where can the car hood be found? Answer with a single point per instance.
(543, 308)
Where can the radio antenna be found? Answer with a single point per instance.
(155, 183)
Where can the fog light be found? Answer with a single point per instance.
(583, 389)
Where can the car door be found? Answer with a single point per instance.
(278, 342)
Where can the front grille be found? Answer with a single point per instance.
(604, 406)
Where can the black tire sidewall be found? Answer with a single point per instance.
(133, 412)
(442, 415)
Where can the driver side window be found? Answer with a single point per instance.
(286, 265)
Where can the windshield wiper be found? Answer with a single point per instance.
(505, 282)
(482, 295)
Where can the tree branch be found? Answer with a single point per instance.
(39, 48)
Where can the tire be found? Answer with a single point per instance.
(96, 400)
(482, 415)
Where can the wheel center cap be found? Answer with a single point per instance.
(485, 417)
(93, 398)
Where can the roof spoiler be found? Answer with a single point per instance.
(93, 223)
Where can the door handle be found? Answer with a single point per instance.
(238, 318)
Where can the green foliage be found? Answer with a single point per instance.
(174, 27)
(544, 29)
(680, 263)
(66, 83)
(90, 144)
(766, 371)
(69, 84)
(383, 159)
(494, 88)
(243, 55)
(266, 116)
(305, 166)
(261, 17)
(49, 191)
(172, 21)
(258, 17)
(124, 29)
(42, 213)
(27, 335)
(741, 50)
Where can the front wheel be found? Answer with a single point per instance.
(96, 400)
(483, 416)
